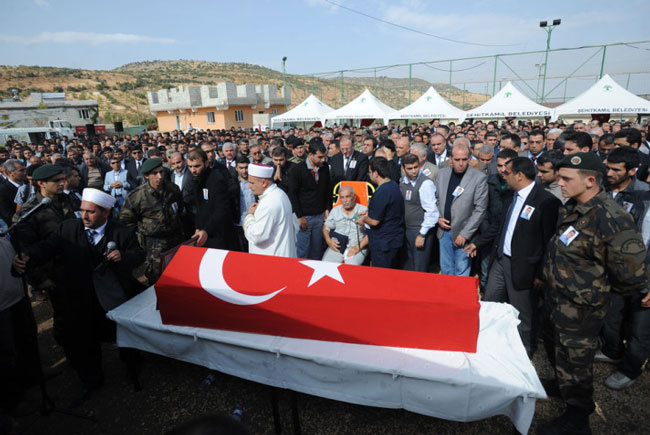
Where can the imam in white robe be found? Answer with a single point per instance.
(272, 229)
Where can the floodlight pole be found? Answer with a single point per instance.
(284, 81)
(549, 30)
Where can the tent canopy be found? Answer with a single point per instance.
(509, 102)
(310, 110)
(430, 106)
(365, 106)
(604, 96)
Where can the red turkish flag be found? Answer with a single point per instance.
(316, 300)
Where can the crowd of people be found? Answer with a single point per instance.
(551, 218)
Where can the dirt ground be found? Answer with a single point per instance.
(170, 395)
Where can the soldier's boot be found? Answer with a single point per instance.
(551, 387)
(574, 421)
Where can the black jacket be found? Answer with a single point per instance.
(79, 267)
(308, 197)
(7, 205)
(530, 237)
(358, 173)
(217, 206)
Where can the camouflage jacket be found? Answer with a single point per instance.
(154, 214)
(38, 227)
(608, 253)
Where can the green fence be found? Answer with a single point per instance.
(551, 77)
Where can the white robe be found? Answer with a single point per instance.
(272, 229)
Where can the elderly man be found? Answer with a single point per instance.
(257, 156)
(425, 167)
(349, 164)
(269, 225)
(229, 154)
(346, 241)
(462, 193)
(92, 278)
(92, 171)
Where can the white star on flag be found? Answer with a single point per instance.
(323, 269)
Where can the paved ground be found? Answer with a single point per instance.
(170, 396)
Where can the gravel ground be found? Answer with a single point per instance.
(170, 396)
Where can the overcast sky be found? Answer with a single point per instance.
(315, 35)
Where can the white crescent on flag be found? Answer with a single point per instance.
(213, 282)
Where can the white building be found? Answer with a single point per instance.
(45, 107)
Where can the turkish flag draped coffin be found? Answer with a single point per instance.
(298, 298)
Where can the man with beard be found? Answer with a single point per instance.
(622, 164)
(91, 279)
(217, 203)
(281, 168)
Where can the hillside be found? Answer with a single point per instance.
(121, 93)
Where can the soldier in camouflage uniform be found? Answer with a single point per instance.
(596, 249)
(50, 180)
(155, 209)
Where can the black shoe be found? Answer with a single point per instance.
(551, 387)
(570, 423)
(86, 391)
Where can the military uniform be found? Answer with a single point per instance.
(607, 254)
(157, 217)
(38, 227)
(297, 160)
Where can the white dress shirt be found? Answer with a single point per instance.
(427, 194)
(178, 178)
(520, 200)
(99, 232)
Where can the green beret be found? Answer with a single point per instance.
(46, 171)
(587, 161)
(150, 165)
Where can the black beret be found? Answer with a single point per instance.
(46, 171)
(587, 161)
(150, 165)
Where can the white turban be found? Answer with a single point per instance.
(98, 197)
(260, 171)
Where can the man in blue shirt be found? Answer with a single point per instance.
(385, 216)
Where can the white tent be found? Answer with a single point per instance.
(430, 106)
(310, 110)
(365, 106)
(509, 102)
(604, 96)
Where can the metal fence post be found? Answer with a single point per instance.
(375, 81)
(602, 63)
(451, 67)
(410, 71)
(342, 94)
(494, 77)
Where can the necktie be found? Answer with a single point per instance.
(505, 225)
(313, 173)
(534, 159)
(90, 234)
(137, 165)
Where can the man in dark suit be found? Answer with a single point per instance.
(348, 165)
(527, 225)
(15, 173)
(182, 177)
(91, 280)
(216, 196)
(134, 165)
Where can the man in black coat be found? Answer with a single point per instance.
(91, 280)
(348, 165)
(528, 223)
(134, 165)
(15, 173)
(217, 203)
(311, 199)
